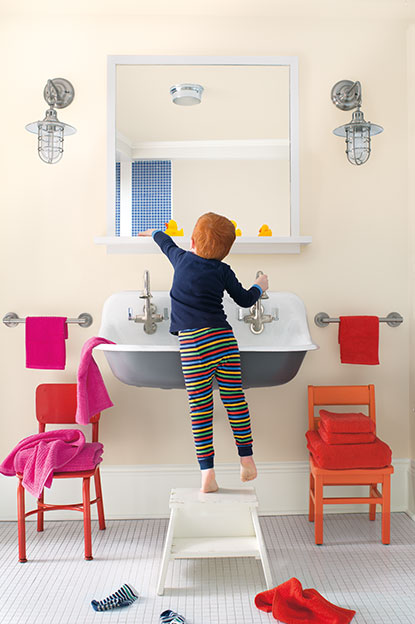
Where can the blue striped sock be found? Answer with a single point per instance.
(123, 597)
(171, 617)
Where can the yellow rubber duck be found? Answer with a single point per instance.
(237, 230)
(264, 230)
(171, 229)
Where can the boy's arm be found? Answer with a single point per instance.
(166, 244)
(239, 294)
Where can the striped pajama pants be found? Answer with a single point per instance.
(207, 353)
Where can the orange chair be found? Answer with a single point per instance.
(56, 404)
(319, 477)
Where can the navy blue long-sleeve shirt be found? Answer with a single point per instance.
(198, 288)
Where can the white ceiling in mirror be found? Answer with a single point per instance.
(248, 112)
(238, 102)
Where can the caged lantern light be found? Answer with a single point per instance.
(58, 93)
(347, 95)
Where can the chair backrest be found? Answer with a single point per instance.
(56, 404)
(339, 395)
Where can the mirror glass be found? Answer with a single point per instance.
(232, 153)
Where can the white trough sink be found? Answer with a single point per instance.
(271, 358)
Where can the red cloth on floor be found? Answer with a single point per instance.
(359, 339)
(344, 438)
(346, 423)
(292, 604)
(375, 454)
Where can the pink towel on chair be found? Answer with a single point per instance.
(45, 342)
(88, 458)
(92, 395)
(40, 455)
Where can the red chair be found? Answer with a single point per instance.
(56, 404)
(319, 477)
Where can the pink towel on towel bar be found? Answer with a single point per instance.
(39, 455)
(45, 342)
(92, 395)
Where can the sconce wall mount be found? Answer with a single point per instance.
(347, 95)
(58, 93)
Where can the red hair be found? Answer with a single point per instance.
(213, 236)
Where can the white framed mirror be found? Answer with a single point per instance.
(236, 152)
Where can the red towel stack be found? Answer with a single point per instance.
(346, 441)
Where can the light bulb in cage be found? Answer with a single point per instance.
(346, 95)
(58, 93)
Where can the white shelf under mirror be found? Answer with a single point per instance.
(233, 153)
(242, 244)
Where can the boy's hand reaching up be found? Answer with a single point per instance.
(146, 232)
(262, 282)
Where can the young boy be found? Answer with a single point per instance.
(207, 345)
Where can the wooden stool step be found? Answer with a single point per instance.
(221, 524)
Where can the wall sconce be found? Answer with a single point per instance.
(58, 93)
(347, 95)
(186, 94)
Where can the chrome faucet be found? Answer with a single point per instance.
(149, 316)
(256, 317)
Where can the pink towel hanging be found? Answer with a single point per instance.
(92, 395)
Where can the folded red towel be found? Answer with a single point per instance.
(359, 339)
(45, 342)
(344, 438)
(375, 454)
(292, 604)
(346, 423)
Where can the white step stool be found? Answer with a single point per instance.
(221, 524)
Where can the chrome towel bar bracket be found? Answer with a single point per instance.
(11, 319)
(394, 319)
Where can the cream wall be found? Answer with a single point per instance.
(357, 216)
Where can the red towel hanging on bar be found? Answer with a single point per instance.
(359, 339)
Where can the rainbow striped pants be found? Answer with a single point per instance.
(207, 353)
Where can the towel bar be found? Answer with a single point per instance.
(394, 319)
(11, 319)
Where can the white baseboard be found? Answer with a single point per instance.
(411, 489)
(142, 491)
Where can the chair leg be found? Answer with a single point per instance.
(318, 495)
(386, 509)
(372, 508)
(40, 513)
(21, 522)
(310, 499)
(100, 503)
(86, 503)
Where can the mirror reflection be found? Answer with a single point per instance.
(229, 154)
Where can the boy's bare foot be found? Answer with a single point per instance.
(248, 468)
(208, 481)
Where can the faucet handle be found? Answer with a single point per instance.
(264, 293)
